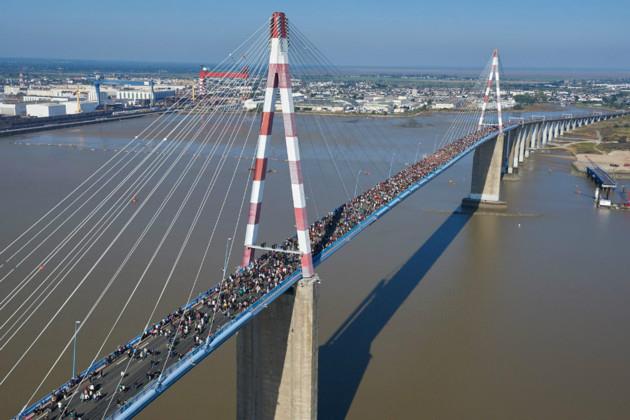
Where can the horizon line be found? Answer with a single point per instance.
(365, 66)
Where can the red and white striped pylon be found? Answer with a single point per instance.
(279, 79)
(494, 74)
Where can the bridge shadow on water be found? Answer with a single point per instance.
(344, 359)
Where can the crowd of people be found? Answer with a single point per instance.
(244, 287)
(247, 285)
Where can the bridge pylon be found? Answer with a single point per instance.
(485, 189)
(277, 352)
(279, 81)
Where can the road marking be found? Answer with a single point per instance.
(119, 362)
(146, 343)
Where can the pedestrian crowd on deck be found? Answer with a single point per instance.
(241, 289)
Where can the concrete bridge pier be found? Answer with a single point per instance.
(505, 154)
(513, 169)
(277, 355)
(537, 137)
(545, 134)
(558, 128)
(534, 144)
(530, 140)
(515, 137)
(523, 146)
(485, 189)
(555, 131)
(549, 132)
(508, 153)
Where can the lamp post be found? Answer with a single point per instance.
(391, 164)
(225, 260)
(74, 349)
(356, 183)
(418, 150)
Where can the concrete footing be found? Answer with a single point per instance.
(514, 176)
(472, 205)
(277, 356)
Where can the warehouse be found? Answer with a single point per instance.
(13, 109)
(45, 110)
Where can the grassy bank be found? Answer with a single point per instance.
(606, 136)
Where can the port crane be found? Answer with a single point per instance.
(78, 93)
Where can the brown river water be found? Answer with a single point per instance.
(429, 313)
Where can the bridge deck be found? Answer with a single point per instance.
(601, 177)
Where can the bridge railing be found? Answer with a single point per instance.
(537, 119)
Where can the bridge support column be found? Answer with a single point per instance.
(535, 137)
(507, 146)
(528, 141)
(485, 187)
(556, 131)
(512, 154)
(516, 150)
(523, 144)
(277, 358)
(545, 134)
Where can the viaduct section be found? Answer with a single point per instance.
(277, 351)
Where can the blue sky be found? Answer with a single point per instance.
(455, 33)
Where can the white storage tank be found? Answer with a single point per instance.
(45, 110)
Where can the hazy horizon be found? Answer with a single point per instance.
(85, 65)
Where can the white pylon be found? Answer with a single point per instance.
(494, 75)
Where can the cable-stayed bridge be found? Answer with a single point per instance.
(272, 297)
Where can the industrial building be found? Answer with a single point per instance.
(143, 95)
(377, 107)
(13, 110)
(45, 110)
(73, 98)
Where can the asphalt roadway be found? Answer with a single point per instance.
(136, 374)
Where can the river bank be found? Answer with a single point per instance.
(606, 144)
(93, 118)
